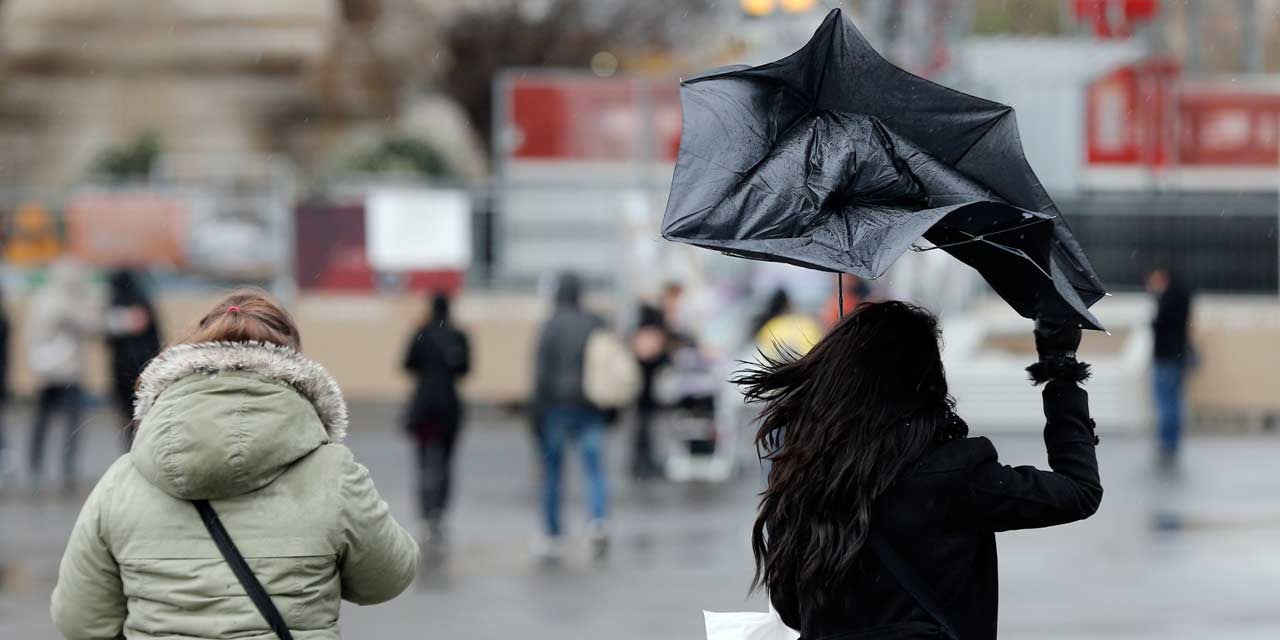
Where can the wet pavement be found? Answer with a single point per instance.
(1194, 557)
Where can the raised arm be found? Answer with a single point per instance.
(1025, 497)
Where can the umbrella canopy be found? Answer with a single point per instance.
(834, 159)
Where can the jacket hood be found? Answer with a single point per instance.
(568, 290)
(217, 420)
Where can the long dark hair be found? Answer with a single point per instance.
(839, 425)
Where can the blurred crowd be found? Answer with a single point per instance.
(64, 317)
(659, 377)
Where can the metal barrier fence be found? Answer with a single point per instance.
(1217, 242)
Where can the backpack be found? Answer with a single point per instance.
(611, 377)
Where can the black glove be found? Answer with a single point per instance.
(1056, 344)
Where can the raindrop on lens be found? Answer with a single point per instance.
(604, 64)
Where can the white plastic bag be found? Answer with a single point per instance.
(747, 625)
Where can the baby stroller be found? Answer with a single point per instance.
(692, 443)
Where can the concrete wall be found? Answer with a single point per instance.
(1237, 382)
(360, 339)
(1238, 340)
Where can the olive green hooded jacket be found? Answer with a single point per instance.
(256, 430)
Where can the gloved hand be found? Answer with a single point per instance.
(1056, 345)
(1055, 341)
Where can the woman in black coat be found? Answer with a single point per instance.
(133, 339)
(880, 514)
(437, 357)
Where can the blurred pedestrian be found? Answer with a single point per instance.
(650, 345)
(781, 332)
(62, 320)
(674, 308)
(438, 356)
(8, 470)
(880, 511)
(133, 339)
(566, 417)
(238, 434)
(1172, 357)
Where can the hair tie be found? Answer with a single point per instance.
(233, 309)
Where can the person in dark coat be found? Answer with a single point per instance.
(438, 356)
(650, 345)
(133, 339)
(565, 416)
(880, 513)
(1171, 358)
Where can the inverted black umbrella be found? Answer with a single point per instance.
(834, 159)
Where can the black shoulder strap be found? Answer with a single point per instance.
(241, 568)
(909, 581)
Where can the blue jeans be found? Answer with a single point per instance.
(1168, 377)
(560, 426)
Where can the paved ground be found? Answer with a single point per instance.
(1196, 558)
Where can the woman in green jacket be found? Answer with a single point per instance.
(234, 415)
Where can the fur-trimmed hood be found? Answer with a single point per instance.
(220, 419)
(267, 360)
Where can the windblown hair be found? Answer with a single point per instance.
(839, 425)
(246, 315)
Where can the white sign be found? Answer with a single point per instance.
(418, 229)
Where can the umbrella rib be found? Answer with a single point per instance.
(1017, 252)
(1022, 255)
(977, 238)
(990, 126)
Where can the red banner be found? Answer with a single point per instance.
(571, 117)
(1115, 18)
(1127, 115)
(127, 229)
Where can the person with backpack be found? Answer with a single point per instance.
(437, 357)
(237, 479)
(581, 370)
(880, 513)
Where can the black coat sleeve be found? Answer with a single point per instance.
(1005, 498)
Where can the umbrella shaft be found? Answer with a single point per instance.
(840, 292)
